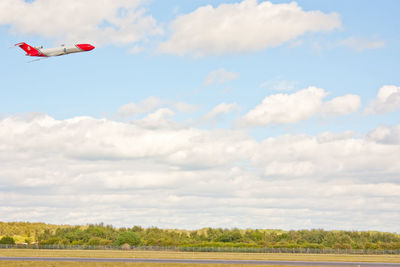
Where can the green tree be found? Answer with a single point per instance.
(128, 237)
(229, 236)
(7, 240)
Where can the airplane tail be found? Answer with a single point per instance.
(30, 51)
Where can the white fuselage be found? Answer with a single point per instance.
(58, 51)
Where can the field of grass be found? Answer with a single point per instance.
(112, 264)
(196, 255)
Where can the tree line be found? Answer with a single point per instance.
(107, 235)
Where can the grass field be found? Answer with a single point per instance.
(101, 264)
(194, 255)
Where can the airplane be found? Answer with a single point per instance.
(39, 51)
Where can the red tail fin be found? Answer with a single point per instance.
(30, 51)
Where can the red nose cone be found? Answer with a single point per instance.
(85, 47)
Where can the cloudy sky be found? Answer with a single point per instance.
(208, 113)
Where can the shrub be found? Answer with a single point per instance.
(128, 237)
(7, 240)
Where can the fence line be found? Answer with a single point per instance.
(207, 249)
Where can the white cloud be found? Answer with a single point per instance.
(286, 108)
(152, 103)
(84, 170)
(301, 105)
(220, 76)
(147, 105)
(243, 27)
(279, 85)
(292, 169)
(220, 109)
(185, 107)
(387, 100)
(360, 44)
(386, 135)
(329, 137)
(342, 105)
(99, 22)
(338, 156)
(157, 119)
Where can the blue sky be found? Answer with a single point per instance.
(183, 95)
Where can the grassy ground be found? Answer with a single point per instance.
(111, 264)
(195, 255)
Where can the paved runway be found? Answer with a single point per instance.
(189, 261)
